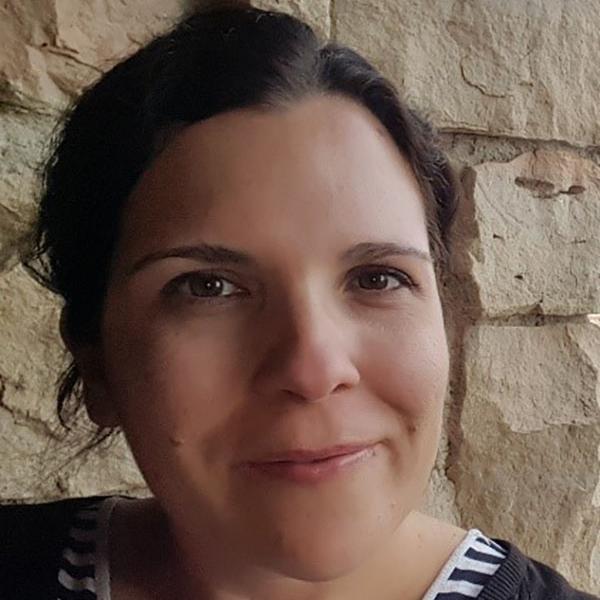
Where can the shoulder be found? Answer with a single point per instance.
(523, 578)
(32, 537)
(23, 523)
(18, 510)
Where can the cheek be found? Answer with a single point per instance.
(408, 372)
(408, 368)
(171, 386)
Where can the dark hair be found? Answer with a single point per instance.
(209, 63)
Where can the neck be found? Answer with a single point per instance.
(171, 558)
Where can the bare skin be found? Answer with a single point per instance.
(321, 325)
(144, 566)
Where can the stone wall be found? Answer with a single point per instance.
(513, 88)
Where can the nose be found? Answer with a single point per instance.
(309, 354)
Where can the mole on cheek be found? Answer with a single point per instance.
(176, 441)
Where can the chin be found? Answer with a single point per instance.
(328, 559)
(321, 564)
(328, 548)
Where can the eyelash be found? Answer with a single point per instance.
(175, 286)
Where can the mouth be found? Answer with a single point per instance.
(311, 466)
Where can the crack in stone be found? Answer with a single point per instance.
(476, 86)
(332, 20)
(23, 418)
(9, 214)
(67, 53)
(25, 105)
(11, 106)
(546, 189)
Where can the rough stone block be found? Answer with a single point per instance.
(537, 246)
(527, 465)
(36, 461)
(314, 12)
(520, 69)
(51, 49)
(30, 354)
(24, 141)
(37, 468)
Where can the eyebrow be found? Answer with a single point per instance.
(378, 250)
(216, 254)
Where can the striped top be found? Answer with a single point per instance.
(469, 568)
(84, 573)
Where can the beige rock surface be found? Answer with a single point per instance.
(37, 468)
(53, 48)
(30, 353)
(35, 460)
(440, 501)
(537, 248)
(314, 12)
(24, 138)
(514, 68)
(527, 467)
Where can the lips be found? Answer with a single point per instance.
(311, 466)
(307, 456)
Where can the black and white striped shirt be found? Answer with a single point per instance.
(84, 573)
(469, 568)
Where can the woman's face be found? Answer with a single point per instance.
(272, 293)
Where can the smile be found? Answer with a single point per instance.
(311, 467)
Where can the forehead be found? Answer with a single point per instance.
(323, 166)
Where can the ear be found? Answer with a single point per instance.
(90, 363)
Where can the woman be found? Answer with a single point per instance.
(248, 229)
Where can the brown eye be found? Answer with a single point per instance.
(383, 281)
(202, 285)
(206, 286)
